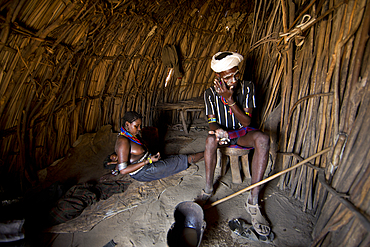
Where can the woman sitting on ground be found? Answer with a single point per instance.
(132, 156)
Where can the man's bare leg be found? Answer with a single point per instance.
(214, 139)
(261, 143)
(210, 158)
(259, 164)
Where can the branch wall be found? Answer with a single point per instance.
(71, 67)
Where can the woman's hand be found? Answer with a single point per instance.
(156, 157)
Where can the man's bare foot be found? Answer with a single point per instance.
(203, 198)
(194, 158)
(259, 223)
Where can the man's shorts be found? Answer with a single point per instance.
(234, 136)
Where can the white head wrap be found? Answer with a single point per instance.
(226, 61)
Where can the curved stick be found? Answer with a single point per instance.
(267, 179)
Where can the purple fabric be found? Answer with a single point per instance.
(238, 133)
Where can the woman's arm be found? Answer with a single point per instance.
(123, 152)
(134, 167)
(122, 149)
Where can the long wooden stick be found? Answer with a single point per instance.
(267, 179)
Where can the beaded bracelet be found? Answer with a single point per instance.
(150, 160)
(212, 120)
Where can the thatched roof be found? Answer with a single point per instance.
(71, 67)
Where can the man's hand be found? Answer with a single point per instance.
(222, 90)
(222, 136)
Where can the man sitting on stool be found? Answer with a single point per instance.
(229, 106)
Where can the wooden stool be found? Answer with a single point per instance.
(234, 154)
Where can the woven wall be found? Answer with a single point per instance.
(70, 67)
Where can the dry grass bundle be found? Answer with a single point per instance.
(71, 67)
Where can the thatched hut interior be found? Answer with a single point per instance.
(70, 69)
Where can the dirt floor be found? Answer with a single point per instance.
(147, 222)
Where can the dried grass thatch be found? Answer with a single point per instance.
(70, 67)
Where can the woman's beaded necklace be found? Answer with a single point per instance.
(130, 136)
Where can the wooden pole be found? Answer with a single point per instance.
(267, 179)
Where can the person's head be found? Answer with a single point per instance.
(225, 65)
(132, 122)
(111, 161)
(113, 157)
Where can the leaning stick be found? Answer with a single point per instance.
(267, 179)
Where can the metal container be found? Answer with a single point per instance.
(189, 225)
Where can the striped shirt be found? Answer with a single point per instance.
(244, 98)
